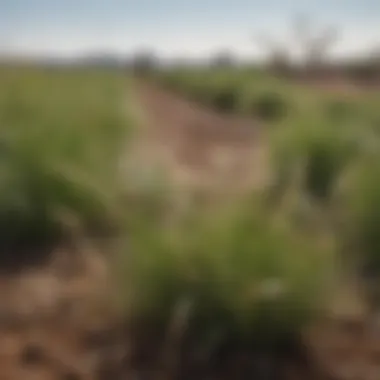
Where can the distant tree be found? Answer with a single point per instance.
(374, 60)
(313, 47)
(144, 62)
(365, 70)
(224, 58)
(278, 57)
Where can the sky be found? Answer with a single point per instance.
(173, 28)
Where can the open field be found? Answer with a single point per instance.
(123, 254)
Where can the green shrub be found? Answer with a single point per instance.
(225, 100)
(357, 213)
(62, 134)
(360, 213)
(269, 106)
(314, 155)
(144, 63)
(324, 162)
(235, 272)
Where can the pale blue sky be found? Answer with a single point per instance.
(173, 27)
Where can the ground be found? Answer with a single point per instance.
(53, 323)
(200, 146)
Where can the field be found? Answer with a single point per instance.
(191, 224)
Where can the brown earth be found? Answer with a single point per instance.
(54, 322)
(199, 147)
(55, 318)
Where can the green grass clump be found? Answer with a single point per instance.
(233, 273)
(357, 210)
(313, 155)
(269, 106)
(360, 208)
(224, 98)
(61, 137)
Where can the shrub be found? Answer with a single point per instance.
(269, 106)
(61, 139)
(324, 162)
(144, 63)
(359, 217)
(225, 100)
(315, 156)
(236, 273)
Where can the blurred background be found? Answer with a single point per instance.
(189, 190)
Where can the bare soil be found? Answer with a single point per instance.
(55, 318)
(200, 147)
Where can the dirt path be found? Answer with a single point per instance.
(200, 147)
(53, 318)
